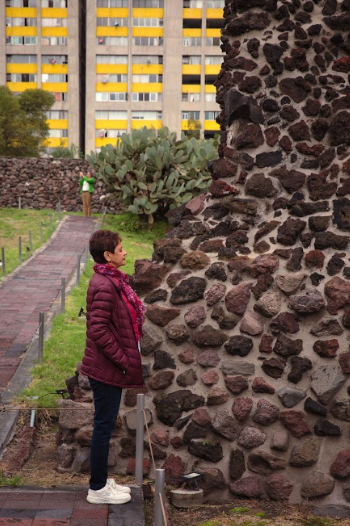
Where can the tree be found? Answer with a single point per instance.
(63, 152)
(153, 173)
(23, 124)
(193, 128)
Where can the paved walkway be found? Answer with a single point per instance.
(33, 288)
(66, 507)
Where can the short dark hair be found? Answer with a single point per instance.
(102, 241)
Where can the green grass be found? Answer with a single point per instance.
(65, 346)
(14, 481)
(15, 223)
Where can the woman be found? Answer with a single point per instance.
(87, 188)
(112, 359)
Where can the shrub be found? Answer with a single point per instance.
(151, 174)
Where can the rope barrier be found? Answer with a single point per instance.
(163, 509)
(149, 440)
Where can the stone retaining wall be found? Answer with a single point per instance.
(42, 182)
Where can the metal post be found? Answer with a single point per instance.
(86, 253)
(51, 222)
(32, 417)
(41, 337)
(20, 248)
(3, 261)
(103, 217)
(63, 295)
(140, 432)
(30, 242)
(159, 497)
(19, 203)
(59, 209)
(78, 268)
(41, 235)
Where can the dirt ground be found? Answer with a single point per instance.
(35, 464)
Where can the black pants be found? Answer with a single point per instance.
(107, 401)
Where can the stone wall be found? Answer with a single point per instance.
(42, 182)
(246, 348)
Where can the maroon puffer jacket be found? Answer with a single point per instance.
(111, 353)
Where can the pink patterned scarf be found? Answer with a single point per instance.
(123, 281)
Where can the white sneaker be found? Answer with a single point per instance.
(117, 487)
(107, 495)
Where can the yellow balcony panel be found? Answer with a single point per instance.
(111, 68)
(215, 13)
(21, 12)
(191, 69)
(148, 12)
(213, 32)
(55, 87)
(191, 88)
(192, 32)
(107, 124)
(146, 69)
(21, 31)
(184, 125)
(21, 86)
(192, 13)
(53, 142)
(58, 124)
(54, 68)
(211, 125)
(22, 68)
(112, 12)
(54, 31)
(141, 123)
(147, 31)
(103, 141)
(209, 88)
(111, 87)
(54, 12)
(105, 31)
(150, 87)
(213, 69)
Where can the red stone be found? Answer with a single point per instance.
(315, 258)
(266, 343)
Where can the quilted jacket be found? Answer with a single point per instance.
(111, 354)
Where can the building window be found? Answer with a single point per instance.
(45, 77)
(145, 79)
(146, 115)
(54, 3)
(112, 134)
(148, 3)
(21, 59)
(21, 22)
(213, 61)
(193, 4)
(112, 3)
(112, 77)
(147, 22)
(191, 97)
(112, 41)
(54, 22)
(112, 22)
(193, 60)
(210, 97)
(111, 59)
(21, 3)
(147, 41)
(58, 133)
(192, 41)
(147, 97)
(111, 115)
(113, 97)
(190, 115)
(147, 59)
(57, 114)
(212, 41)
(215, 4)
(211, 115)
(54, 41)
(20, 77)
(20, 41)
(60, 96)
(54, 59)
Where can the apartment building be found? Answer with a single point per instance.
(40, 48)
(115, 65)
